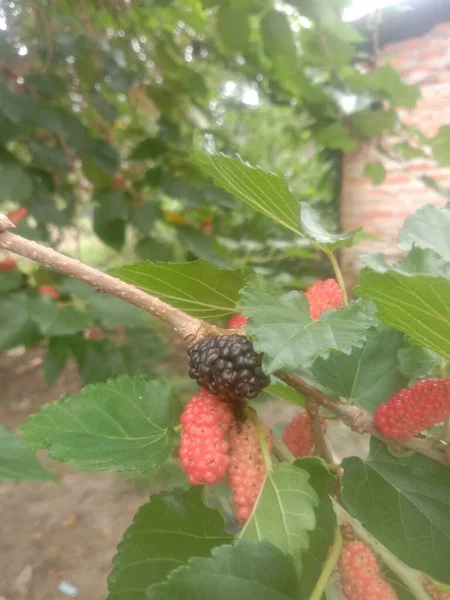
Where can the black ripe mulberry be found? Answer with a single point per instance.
(228, 366)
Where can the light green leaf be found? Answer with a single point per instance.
(336, 136)
(284, 392)
(412, 296)
(122, 425)
(284, 511)
(376, 172)
(369, 375)
(371, 123)
(440, 145)
(418, 363)
(241, 571)
(17, 462)
(197, 287)
(314, 230)
(405, 504)
(53, 320)
(166, 532)
(429, 227)
(288, 336)
(233, 27)
(263, 191)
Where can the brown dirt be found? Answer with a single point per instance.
(53, 532)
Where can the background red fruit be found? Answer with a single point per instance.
(15, 216)
(322, 296)
(203, 447)
(7, 264)
(48, 290)
(412, 410)
(237, 321)
(298, 435)
(360, 574)
(93, 333)
(246, 471)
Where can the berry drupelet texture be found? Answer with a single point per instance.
(228, 366)
(360, 574)
(298, 435)
(414, 409)
(203, 447)
(246, 470)
(322, 296)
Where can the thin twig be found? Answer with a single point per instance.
(329, 565)
(321, 446)
(190, 328)
(338, 275)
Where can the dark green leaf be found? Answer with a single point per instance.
(111, 312)
(412, 296)
(284, 511)
(10, 281)
(429, 227)
(111, 233)
(105, 157)
(122, 425)
(279, 46)
(53, 320)
(150, 148)
(287, 335)
(166, 532)
(314, 230)
(261, 190)
(56, 358)
(17, 462)
(404, 503)
(143, 216)
(112, 205)
(369, 375)
(14, 321)
(233, 27)
(204, 246)
(244, 570)
(154, 251)
(49, 157)
(15, 183)
(197, 287)
(376, 172)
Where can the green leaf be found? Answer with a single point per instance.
(263, 191)
(111, 205)
(150, 148)
(313, 229)
(111, 312)
(409, 298)
(152, 250)
(284, 392)
(405, 504)
(111, 233)
(166, 532)
(376, 172)
(431, 183)
(417, 363)
(233, 27)
(288, 336)
(53, 320)
(105, 157)
(321, 538)
(244, 570)
(16, 184)
(204, 246)
(428, 227)
(17, 462)
(284, 511)
(371, 123)
(440, 145)
(369, 375)
(279, 46)
(50, 157)
(122, 425)
(56, 358)
(14, 320)
(197, 287)
(336, 136)
(10, 281)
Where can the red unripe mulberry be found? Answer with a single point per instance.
(203, 447)
(298, 435)
(322, 296)
(48, 290)
(237, 321)
(414, 409)
(8, 264)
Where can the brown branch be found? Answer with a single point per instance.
(321, 446)
(358, 419)
(190, 328)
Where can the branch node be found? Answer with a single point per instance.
(5, 223)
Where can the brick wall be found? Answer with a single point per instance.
(382, 209)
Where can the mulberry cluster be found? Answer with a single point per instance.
(360, 574)
(203, 448)
(246, 470)
(298, 435)
(414, 409)
(228, 366)
(322, 296)
(237, 321)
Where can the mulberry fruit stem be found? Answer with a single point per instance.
(329, 565)
(338, 274)
(252, 415)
